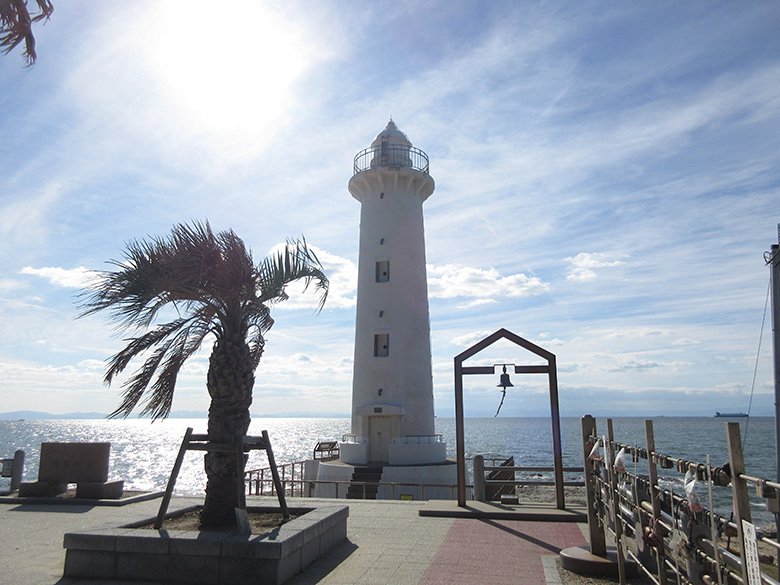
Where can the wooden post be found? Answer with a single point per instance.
(240, 488)
(654, 498)
(479, 478)
(556, 433)
(172, 480)
(275, 474)
(615, 498)
(738, 487)
(596, 538)
(460, 441)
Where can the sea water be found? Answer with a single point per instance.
(143, 452)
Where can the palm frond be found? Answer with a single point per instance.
(137, 346)
(296, 261)
(171, 354)
(16, 25)
(133, 389)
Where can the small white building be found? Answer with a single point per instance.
(392, 387)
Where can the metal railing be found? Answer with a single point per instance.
(673, 537)
(491, 481)
(261, 485)
(392, 156)
(256, 480)
(417, 439)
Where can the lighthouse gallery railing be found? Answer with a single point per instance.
(391, 156)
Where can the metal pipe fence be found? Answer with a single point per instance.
(391, 156)
(263, 486)
(675, 537)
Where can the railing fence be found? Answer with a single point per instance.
(673, 537)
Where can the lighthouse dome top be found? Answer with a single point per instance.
(391, 149)
(391, 135)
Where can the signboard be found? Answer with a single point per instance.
(750, 553)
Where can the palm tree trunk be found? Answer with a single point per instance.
(230, 381)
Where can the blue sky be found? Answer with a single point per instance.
(607, 181)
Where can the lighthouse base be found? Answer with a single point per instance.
(402, 451)
(398, 482)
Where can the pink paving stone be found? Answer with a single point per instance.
(508, 551)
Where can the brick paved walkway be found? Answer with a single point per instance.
(499, 552)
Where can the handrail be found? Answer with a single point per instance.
(305, 487)
(639, 509)
(391, 156)
(410, 439)
(522, 468)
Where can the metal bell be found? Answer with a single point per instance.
(504, 381)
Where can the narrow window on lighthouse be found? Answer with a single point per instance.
(383, 271)
(381, 345)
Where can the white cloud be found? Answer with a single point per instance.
(476, 303)
(66, 277)
(6, 284)
(583, 266)
(342, 276)
(455, 280)
(470, 338)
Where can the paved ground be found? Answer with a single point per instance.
(387, 543)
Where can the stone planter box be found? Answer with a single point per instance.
(218, 558)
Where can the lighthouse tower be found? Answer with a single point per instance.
(392, 389)
(393, 441)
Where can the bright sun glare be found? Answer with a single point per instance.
(229, 70)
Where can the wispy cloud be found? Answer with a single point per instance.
(582, 267)
(66, 277)
(455, 280)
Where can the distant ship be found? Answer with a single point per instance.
(731, 414)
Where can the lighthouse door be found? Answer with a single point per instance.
(379, 431)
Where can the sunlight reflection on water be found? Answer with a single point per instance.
(143, 453)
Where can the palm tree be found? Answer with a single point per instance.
(206, 284)
(16, 25)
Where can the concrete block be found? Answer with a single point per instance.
(98, 490)
(100, 540)
(152, 542)
(332, 538)
(74, 462)
(339, 533)
(198, 543)
(41, 488)
(327, 540)
(291, 539)
(251, 545)
(89, 564)
(143, 567)
(311, 528)
(310, 552)
(248, 571)
(289, 566)
(193, 569)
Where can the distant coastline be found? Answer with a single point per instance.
(40, 415)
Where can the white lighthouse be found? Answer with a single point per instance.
(392, 387)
